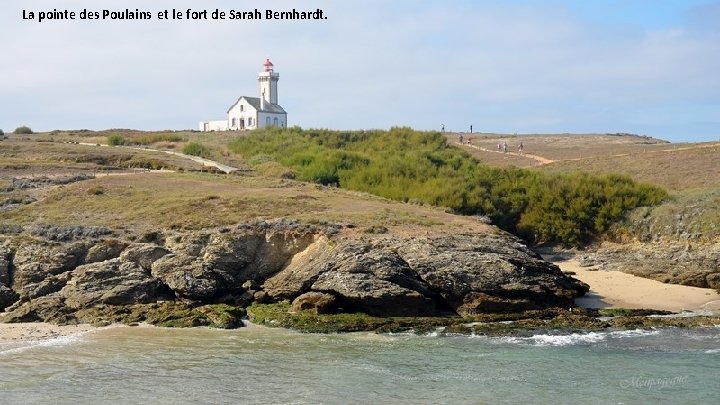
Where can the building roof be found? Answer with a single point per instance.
(255, 103)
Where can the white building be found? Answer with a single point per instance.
(254, 112)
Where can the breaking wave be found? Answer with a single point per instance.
(543, 340)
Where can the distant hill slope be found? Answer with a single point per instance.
(673, 166)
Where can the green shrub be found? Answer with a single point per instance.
(159, 137)
(23, 130)
(407, 165)
(117, 140)
(196, 149)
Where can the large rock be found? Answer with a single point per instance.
(685, 263)
(5, 278)
(105, 250)
(113, 283)
(7, 297)
(465, 274)
(50, 308)
(363, 277)
(317, 302)
(35, 262)
(189, 277)
(489, 273)
(248, 255)
(302, 271)
(143, 254)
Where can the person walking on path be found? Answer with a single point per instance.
(461, 139)
(504, 147)
(521, 148)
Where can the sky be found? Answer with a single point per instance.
(649, 67)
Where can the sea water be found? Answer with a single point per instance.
(257, 365)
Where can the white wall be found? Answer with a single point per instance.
(214, 125)
(242, 111)
(263, 116)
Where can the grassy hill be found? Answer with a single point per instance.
(52, 183)
(690, 171)
(435, 172)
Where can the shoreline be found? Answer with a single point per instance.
(608, 289)
(15, 336)
(616, 289)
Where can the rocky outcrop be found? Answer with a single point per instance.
(490, 273)
(692, 264)
(39, 266)
(111, 282)
(268, 262)
(317, 302)
(464, 274)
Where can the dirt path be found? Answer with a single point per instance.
(541, 160)
(197, 159)
(616, 289)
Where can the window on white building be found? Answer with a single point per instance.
(233, 122)
(267, 121)
(242, 107)
(249, 121)
(275, 121)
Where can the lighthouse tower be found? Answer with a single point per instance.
(268, 79)
(249, 113)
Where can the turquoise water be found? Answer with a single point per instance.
(260, 365)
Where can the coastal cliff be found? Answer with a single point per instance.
(72, 275)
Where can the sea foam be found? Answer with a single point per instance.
(542, 340)
(38, 343)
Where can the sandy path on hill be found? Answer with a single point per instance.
(541, 160)
(622, 290)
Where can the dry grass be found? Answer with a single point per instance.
(23, 158)
(193, 201)
(673, 166)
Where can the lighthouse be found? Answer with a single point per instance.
(268, 80)
(248, 112)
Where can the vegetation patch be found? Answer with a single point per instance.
(553, 320)
(143, 139)
(407, 165)
(196, 149)
(117, 140)
(23, 130)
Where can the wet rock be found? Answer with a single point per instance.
(317, 302)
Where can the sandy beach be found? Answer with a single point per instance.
(11, 333)
(621, 290)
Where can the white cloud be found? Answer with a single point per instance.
(520, 67)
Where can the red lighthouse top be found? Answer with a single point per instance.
(268, 65)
